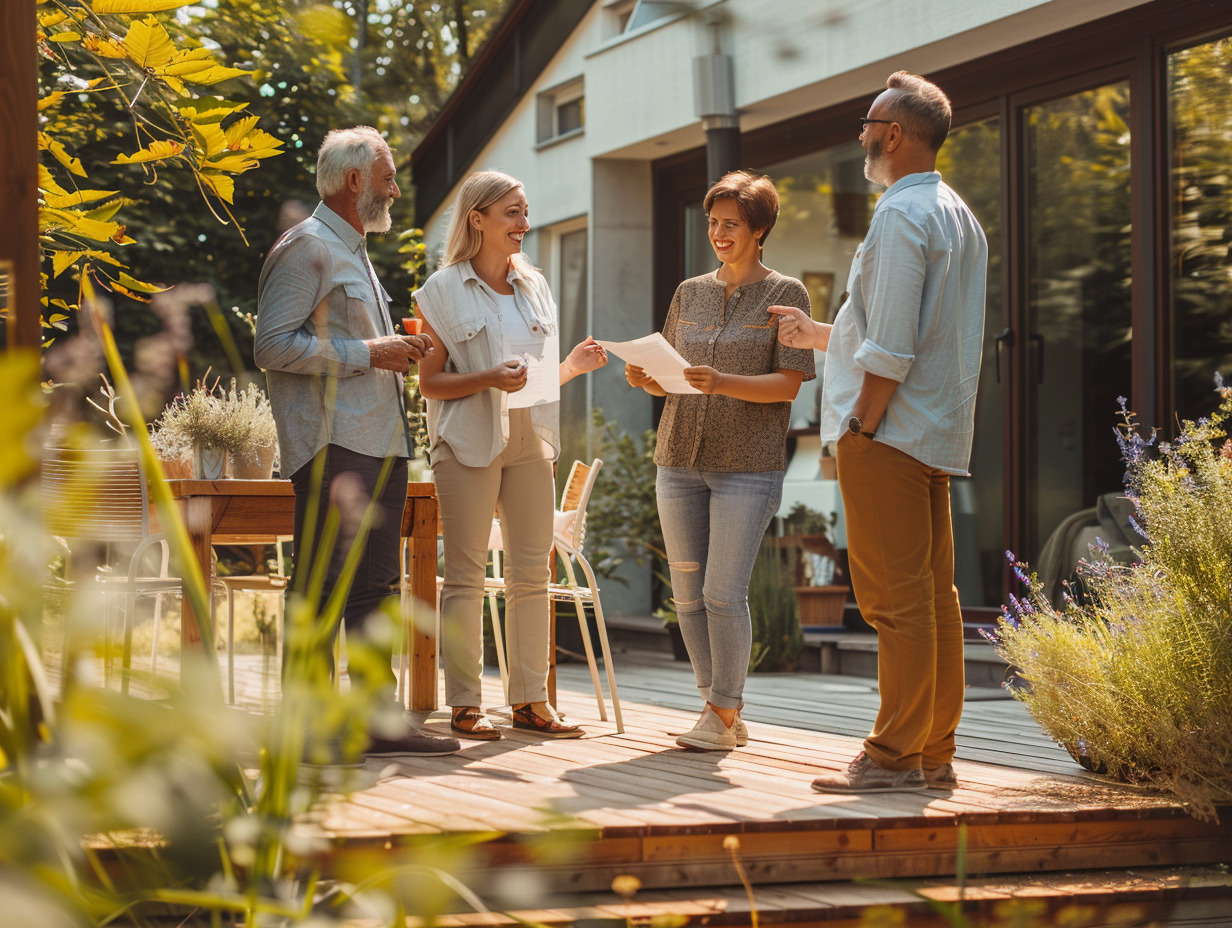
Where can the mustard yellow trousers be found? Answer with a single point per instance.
(900, 544)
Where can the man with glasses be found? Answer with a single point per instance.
(898, 403)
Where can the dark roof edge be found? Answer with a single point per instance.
(503, 34)
(454, 140)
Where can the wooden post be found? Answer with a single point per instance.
(19, 249)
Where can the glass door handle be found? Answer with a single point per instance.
(1037, 342)
(1006, 338)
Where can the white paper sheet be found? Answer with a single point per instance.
(658, 358)
(542, 357)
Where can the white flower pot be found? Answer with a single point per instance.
(209, 462)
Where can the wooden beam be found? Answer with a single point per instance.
(19, 250)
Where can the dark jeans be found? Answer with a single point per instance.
(349, 482)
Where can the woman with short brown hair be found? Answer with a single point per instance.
(721, 451)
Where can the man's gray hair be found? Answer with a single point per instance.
(921, 108)
(343, 149)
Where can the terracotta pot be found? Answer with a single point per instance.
(244, 467)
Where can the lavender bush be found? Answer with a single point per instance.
(1138, 679)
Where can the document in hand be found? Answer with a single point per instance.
(658, 358)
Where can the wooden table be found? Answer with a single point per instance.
(257, 511)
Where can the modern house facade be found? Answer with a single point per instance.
(1093, 139)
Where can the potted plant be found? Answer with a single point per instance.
(813, 566)
(223, 433)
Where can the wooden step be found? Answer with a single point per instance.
(1175, 896)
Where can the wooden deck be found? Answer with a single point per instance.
(583, 812)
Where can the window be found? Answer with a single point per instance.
(562, 111)
(649, 11)
(616, 15)
(1200, 117)
(565, 267)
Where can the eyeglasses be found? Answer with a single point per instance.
(864, 122)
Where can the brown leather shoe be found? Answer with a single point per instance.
(470, 722)
(526, 719)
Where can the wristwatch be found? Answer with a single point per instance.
(855, 428)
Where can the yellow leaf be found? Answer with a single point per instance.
(104, 48)
(157, 151)
(210, 139)
(232, 164)
(47, 183)
(50, 100)
(47, 20)
(147, 42)
(138, 6)
(61, 261)
(238, 129)
(23, 410)
(65, 37)
(216, 75)
(107, 210)
(210, 114)
(134, 284)
(77, 197)
(60, 153)
(222, 185)
(80, 225)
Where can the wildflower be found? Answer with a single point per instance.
(626, 886)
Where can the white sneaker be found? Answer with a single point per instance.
(709, 734)
(740, 730)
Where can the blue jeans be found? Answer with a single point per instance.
(713, 525)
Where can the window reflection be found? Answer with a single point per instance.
(1200, 113)
(1078, 294)
(970, 162)
(824, 208)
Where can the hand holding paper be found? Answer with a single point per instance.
(658, 358)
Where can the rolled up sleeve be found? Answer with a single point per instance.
(892, 269)
(290, 291)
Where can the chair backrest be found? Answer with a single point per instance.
(96, 494)
(576, 495)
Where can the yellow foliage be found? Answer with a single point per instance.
(130, 7)
(156, 151)
(60, 153)
(23, 408)
(104, 47)
(76, 198)
(148, 44)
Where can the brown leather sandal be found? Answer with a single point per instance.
(526, 719)
(479, 727)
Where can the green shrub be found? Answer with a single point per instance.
(777, 638)
(1136, 679)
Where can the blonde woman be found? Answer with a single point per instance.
(493, 320)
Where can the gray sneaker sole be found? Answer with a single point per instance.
(852, 791)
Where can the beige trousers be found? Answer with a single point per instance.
(518, 486)
(900, 544)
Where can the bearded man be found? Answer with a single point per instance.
(334, 368)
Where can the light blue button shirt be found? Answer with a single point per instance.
(318, 302)
(915, 314)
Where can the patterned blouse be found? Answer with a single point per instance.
(721, 433)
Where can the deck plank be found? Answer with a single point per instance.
(648, 808)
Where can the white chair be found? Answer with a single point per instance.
(569, 532)
(97, 497)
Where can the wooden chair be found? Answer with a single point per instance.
(568, 536)
(97, 497)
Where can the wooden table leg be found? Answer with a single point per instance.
(198, 518)
(422, 568)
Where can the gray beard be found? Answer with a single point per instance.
(374, 212)
(874, 165)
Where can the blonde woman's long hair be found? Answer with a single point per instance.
(479, 191)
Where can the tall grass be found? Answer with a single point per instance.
(1138, 679)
